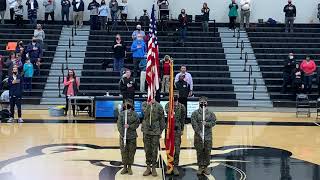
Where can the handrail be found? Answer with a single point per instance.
(214, 28)
(59, 86)
(66, 59)
(62, 69)
(70, 47)
(238, 38)
(242, 47)
(254, 87)
(72, 36)
(75, 29)
(234, 33)
(245, 61)
(250, 74)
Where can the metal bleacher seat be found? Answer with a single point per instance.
(302, 105)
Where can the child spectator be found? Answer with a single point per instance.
(28, 74)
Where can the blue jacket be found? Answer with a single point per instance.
(15, 89)
(28, 70)
(143, 64)
(138, 52)
(34, 54)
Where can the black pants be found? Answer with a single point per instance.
(65, 14)
(11, 13)
(184, 101)
(67, 107)
(297, 87)
(94, 22)
(19, 20)
(46, 16)
(286, 82)
(232, 23)
(124, 17)
(15, 101)
(136, 70)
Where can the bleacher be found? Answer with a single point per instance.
(9, 33)
(203, 54)
(272, 45)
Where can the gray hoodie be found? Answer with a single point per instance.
(50, 6)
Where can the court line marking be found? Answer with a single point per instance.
(317, 124)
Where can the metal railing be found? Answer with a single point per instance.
(254, 87)
(245, 61)
(238, 38)
(242, 48)
(214, 28)
(59, 86)
(66, 58)
(250, 74)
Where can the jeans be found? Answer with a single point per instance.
(94, 22)
(118, 64)
(33, 21)
(19, 20)
(232, 23)
(28, 83)
(136, 70)
(286, 82)
(142, 81)
(205, 26)
(65, 14)
(15, 101)
(46, 17)
(307, 81)
(35, 67)
(2, 13)
(114, 17)
(11, 14)
(289, 20)
(245, 15)
(183, 34)
(103, 22)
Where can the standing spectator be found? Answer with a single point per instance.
(3, 8)
(35, 54)
(119, 50)
(233, 14)
(318, 12)
(39, 35)
(103, 15)
(137, 32)
(308, 67)
(164, 9)
(11, 61)
(245, 13)
(12, 4)
(20, 49)
(124, 10)
(65, 10)
(50, 6)
(28, 74)
(290, 15)
(184, 90)
(297, 81)
(78, 8)
(71, 88)
(1, 69)
(93, 7)
(288, 67)
(138, 49)
(143, 66)
(15, 84)
(183, 19)
(205, 17)
(165, 74)
(145, 20)
(187, 78)
(128, 86)
(113, 5)
(18, 10)
(32, 11)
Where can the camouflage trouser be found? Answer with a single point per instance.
(177, 143)
(128, 152)
(151, 147)
(203, 150)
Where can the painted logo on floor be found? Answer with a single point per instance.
(85, 161)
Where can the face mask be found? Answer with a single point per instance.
(15, 73)
(291, 57)
(175, 98)
(34, 41)
(289, 2)
(129, 106)
(203, 105)
(182, 12)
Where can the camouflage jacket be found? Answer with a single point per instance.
(179, 117)
(196, 121)
(157, 119)
(133, 122)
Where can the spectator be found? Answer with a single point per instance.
(188, 78)
(50, 6)
(128, 86)
(165, 74)
(32, 11)
(65, 10)
(103, 14)
(233, 14)
(15, 92)
(119, 50)
(184, 90)
(18, 10)
(205, 17)
(3, 8)
(94, 12)
(18, 63)
(290, 15)
(78, 8)
(297, 80)
(288, 67)
(145, 20)
(35, 54)
(20, 49)
(138, 49)
(11, 61)
(137, 32)
(143, 66)
(1, 70)
(245, 13)
(113, 5)
(318, 12)
(124, 10)
(28, 74)
(183, 19)
(71, 88)
(308, 67)
(12, 4)
(39, 35)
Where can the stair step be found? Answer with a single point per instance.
(255, 103)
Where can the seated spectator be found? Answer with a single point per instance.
(137, 32)
(49, 7)
(103, 15)
(183, 19)
(18, 11)
(138, 49)
(187, 78)
(3, 8)
(143, 66)
(34, 51)
(289, 66)
(28, 74)
(165, 74)
(128, 86)
(32, 11)
(145, 20)
(308, 67)
(297, 81)
(39, 35)
(93, 7)
(233, 14)
(124, 10)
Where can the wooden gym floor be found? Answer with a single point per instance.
(246, 145)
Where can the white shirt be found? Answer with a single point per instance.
(245, 5)
(12, 3)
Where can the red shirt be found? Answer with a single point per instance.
(166, 68)
(308, 68)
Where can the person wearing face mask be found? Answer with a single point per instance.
(290, 15)
(203, 146)
(35, 53)
(138, 49)
(233, 14)
(124, 10)
(103, 15)
(15, 84)
(12, 4)
(145, 20)
(183, 20)
(94, 11)
(137, 32)
(184, 89)
(245, 13)
(78, 8)
(71, 88)
(165, 73)
(289, 65)
(32, 11)
(65, 9)
(119, 50)
(39, 34)
(50, 6)
(308, 67)
(21, 49)
(128, 86)
(114, 8)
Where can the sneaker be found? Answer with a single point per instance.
(20, 120)
(10, 120)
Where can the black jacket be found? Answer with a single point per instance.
(15, 89)
(183, 21)
(3, 5)
(65, 5)
(290, 10)
(128, 92)
(81, 6)
(205, 15)
(184, 88)
(119, 51)
(289, 65)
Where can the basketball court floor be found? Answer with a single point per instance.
(253, 146)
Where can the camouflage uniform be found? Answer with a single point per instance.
(128, 151)
(151, 133)
(203, 149)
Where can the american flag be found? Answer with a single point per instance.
(152, 75)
